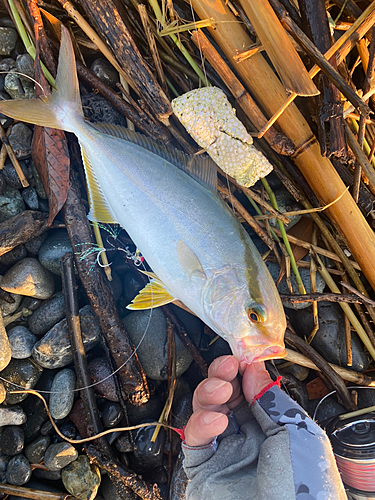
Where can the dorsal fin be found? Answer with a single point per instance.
(201, 168)
(99, 208)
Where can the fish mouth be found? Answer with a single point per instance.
(261, 353)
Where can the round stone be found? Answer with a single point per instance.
(22, 372)
(100, 370)
(18, 87)
(152, 348)
(59, 455)
(81, 479)
(8, 40)
(11, 176)
(18, 471)
(20, 139)
(33, 245)
(54, 349)
(21, 342)
(105, 71)
(12, 440)
(28, 277)
(111, 414)
(12, 416)
(11, 203)
(35, 451)
(47, 315)
(25, 64)
(30, 197)
(53, 249)
(62, 396)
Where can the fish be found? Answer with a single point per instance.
(167, 202)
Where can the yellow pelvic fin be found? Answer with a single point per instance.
(154, 294)
(100, 211)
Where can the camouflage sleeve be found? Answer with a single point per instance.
(315, 474)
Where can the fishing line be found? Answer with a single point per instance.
(112, 373)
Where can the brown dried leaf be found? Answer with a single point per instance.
(51, 158)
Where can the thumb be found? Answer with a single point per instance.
(255, 378)
(204, 426)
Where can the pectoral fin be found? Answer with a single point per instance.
(154, 294)
(189, 262)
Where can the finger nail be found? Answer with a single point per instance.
(213, 385)
(211, 417)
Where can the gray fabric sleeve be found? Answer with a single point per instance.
(315, 473)
(281, 454)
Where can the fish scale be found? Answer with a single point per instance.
(168, 204)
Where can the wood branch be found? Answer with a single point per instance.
(21, 228)
(322, 297)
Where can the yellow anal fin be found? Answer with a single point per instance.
(100, 211)
(154, 294)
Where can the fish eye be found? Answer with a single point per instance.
(257, 314)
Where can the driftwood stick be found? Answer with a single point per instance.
(330, 377)
(21, 228)
(322, 297)
(345, 374)
(124, 476)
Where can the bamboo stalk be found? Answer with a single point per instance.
(258, 76)
(279, 48)
(345, 374)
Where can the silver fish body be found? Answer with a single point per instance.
(187, 234)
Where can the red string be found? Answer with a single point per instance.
(265, 389)
(180, 432)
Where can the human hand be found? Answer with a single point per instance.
(220, 393)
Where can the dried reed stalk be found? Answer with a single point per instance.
(258, 76)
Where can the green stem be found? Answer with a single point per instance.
(273, 201)
(27, 42)
(159, 16)
(259, 212)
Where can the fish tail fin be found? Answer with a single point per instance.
(60, 109)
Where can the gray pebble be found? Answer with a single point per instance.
(47, 315)
(329, 340)
(8, 40)
(12, 416)
(33, 245)
(105, 71)
(19, 470)
(149, 412)
(7, 64)
(56, 246)
(25, 64)
(6, 22)
(81, 479)
(54, 349)
(62, 396)
(28, 277)
(17, 253)
(49, 475)
(111, 414)
(22, 372)
(35, 451)
(59, 455)
(21, 342)
(20, 139)
(11, 203)
(30, 197)
(36, 416)
(11, 176)
(31, 303)
(152, 351)
(18, 87)
(12, 440)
